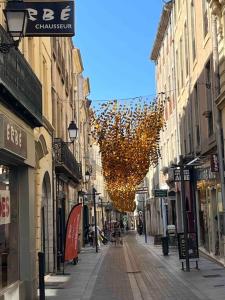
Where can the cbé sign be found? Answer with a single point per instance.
(50, 18)
(12, 137)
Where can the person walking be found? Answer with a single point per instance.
(91, 235)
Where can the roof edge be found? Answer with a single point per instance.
(164, 20)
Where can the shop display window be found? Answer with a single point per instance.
(9, 241)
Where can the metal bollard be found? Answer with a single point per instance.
(41, 262)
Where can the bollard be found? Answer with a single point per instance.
(165, 245)
(41, 262)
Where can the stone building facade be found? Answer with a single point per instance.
(185, 74)
(41, 171)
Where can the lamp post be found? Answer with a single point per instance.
(94, 193)
(103, 223)
(94, 202)
(181, 164)
(144, 219)
(16, 16)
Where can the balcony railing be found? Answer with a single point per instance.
(65, 162)
(20, 89)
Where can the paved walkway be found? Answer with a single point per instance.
(136, 271)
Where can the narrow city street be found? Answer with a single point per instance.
(136, 271)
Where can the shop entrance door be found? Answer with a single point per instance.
(45, 219)
(60, 232)
(214, 247)
(85, 224)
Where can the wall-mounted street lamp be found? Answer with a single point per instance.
(87, 176)
(16, 21)
(72, 129)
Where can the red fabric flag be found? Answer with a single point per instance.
(72, 230)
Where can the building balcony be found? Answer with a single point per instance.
(65, 162)
(20, 89)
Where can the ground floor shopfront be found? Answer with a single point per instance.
(20, 113)
(210, 213)
(17, 208)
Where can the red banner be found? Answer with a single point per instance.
(72, 230)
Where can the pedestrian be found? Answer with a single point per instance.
(91, 235)
(100, 236)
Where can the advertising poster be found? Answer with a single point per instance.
(4, 207)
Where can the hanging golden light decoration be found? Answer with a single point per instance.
(128, 138)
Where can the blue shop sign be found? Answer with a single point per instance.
(50, 18)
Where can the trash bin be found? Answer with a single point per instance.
(165, 245)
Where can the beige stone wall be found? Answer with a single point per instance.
(37, 51)
(178, 70)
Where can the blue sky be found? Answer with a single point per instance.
(115, 39)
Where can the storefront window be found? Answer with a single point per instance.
(9, 244)
(203, 218)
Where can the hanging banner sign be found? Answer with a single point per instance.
(72, 230)
(50, 18)
(160, 193)
(214, 163)
(4, 207)
(177, 175)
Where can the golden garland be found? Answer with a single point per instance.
(129, 145)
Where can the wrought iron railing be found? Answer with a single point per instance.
(65, 162)
(20, 89)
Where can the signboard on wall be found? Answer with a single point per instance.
(4, 207)
(50, 18)
(12, 137)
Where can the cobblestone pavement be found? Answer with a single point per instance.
(136, 271)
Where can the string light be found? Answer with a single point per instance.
(128, 138)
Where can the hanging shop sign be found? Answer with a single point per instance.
(174, 175)
(12, 137)
(214, 163)
(142, 190)
(72, 230)
(205, 174)
(177, 175)
(4, 207)
(160, 193)
(50, 18)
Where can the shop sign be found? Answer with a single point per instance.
(142, 190)
(214, 163)
(12, 137)
(177, 176)
(4, 207)
(50, 18)
(205, 174)
(160, 193)
(192, 246)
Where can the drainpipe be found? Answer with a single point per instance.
(217, 112)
